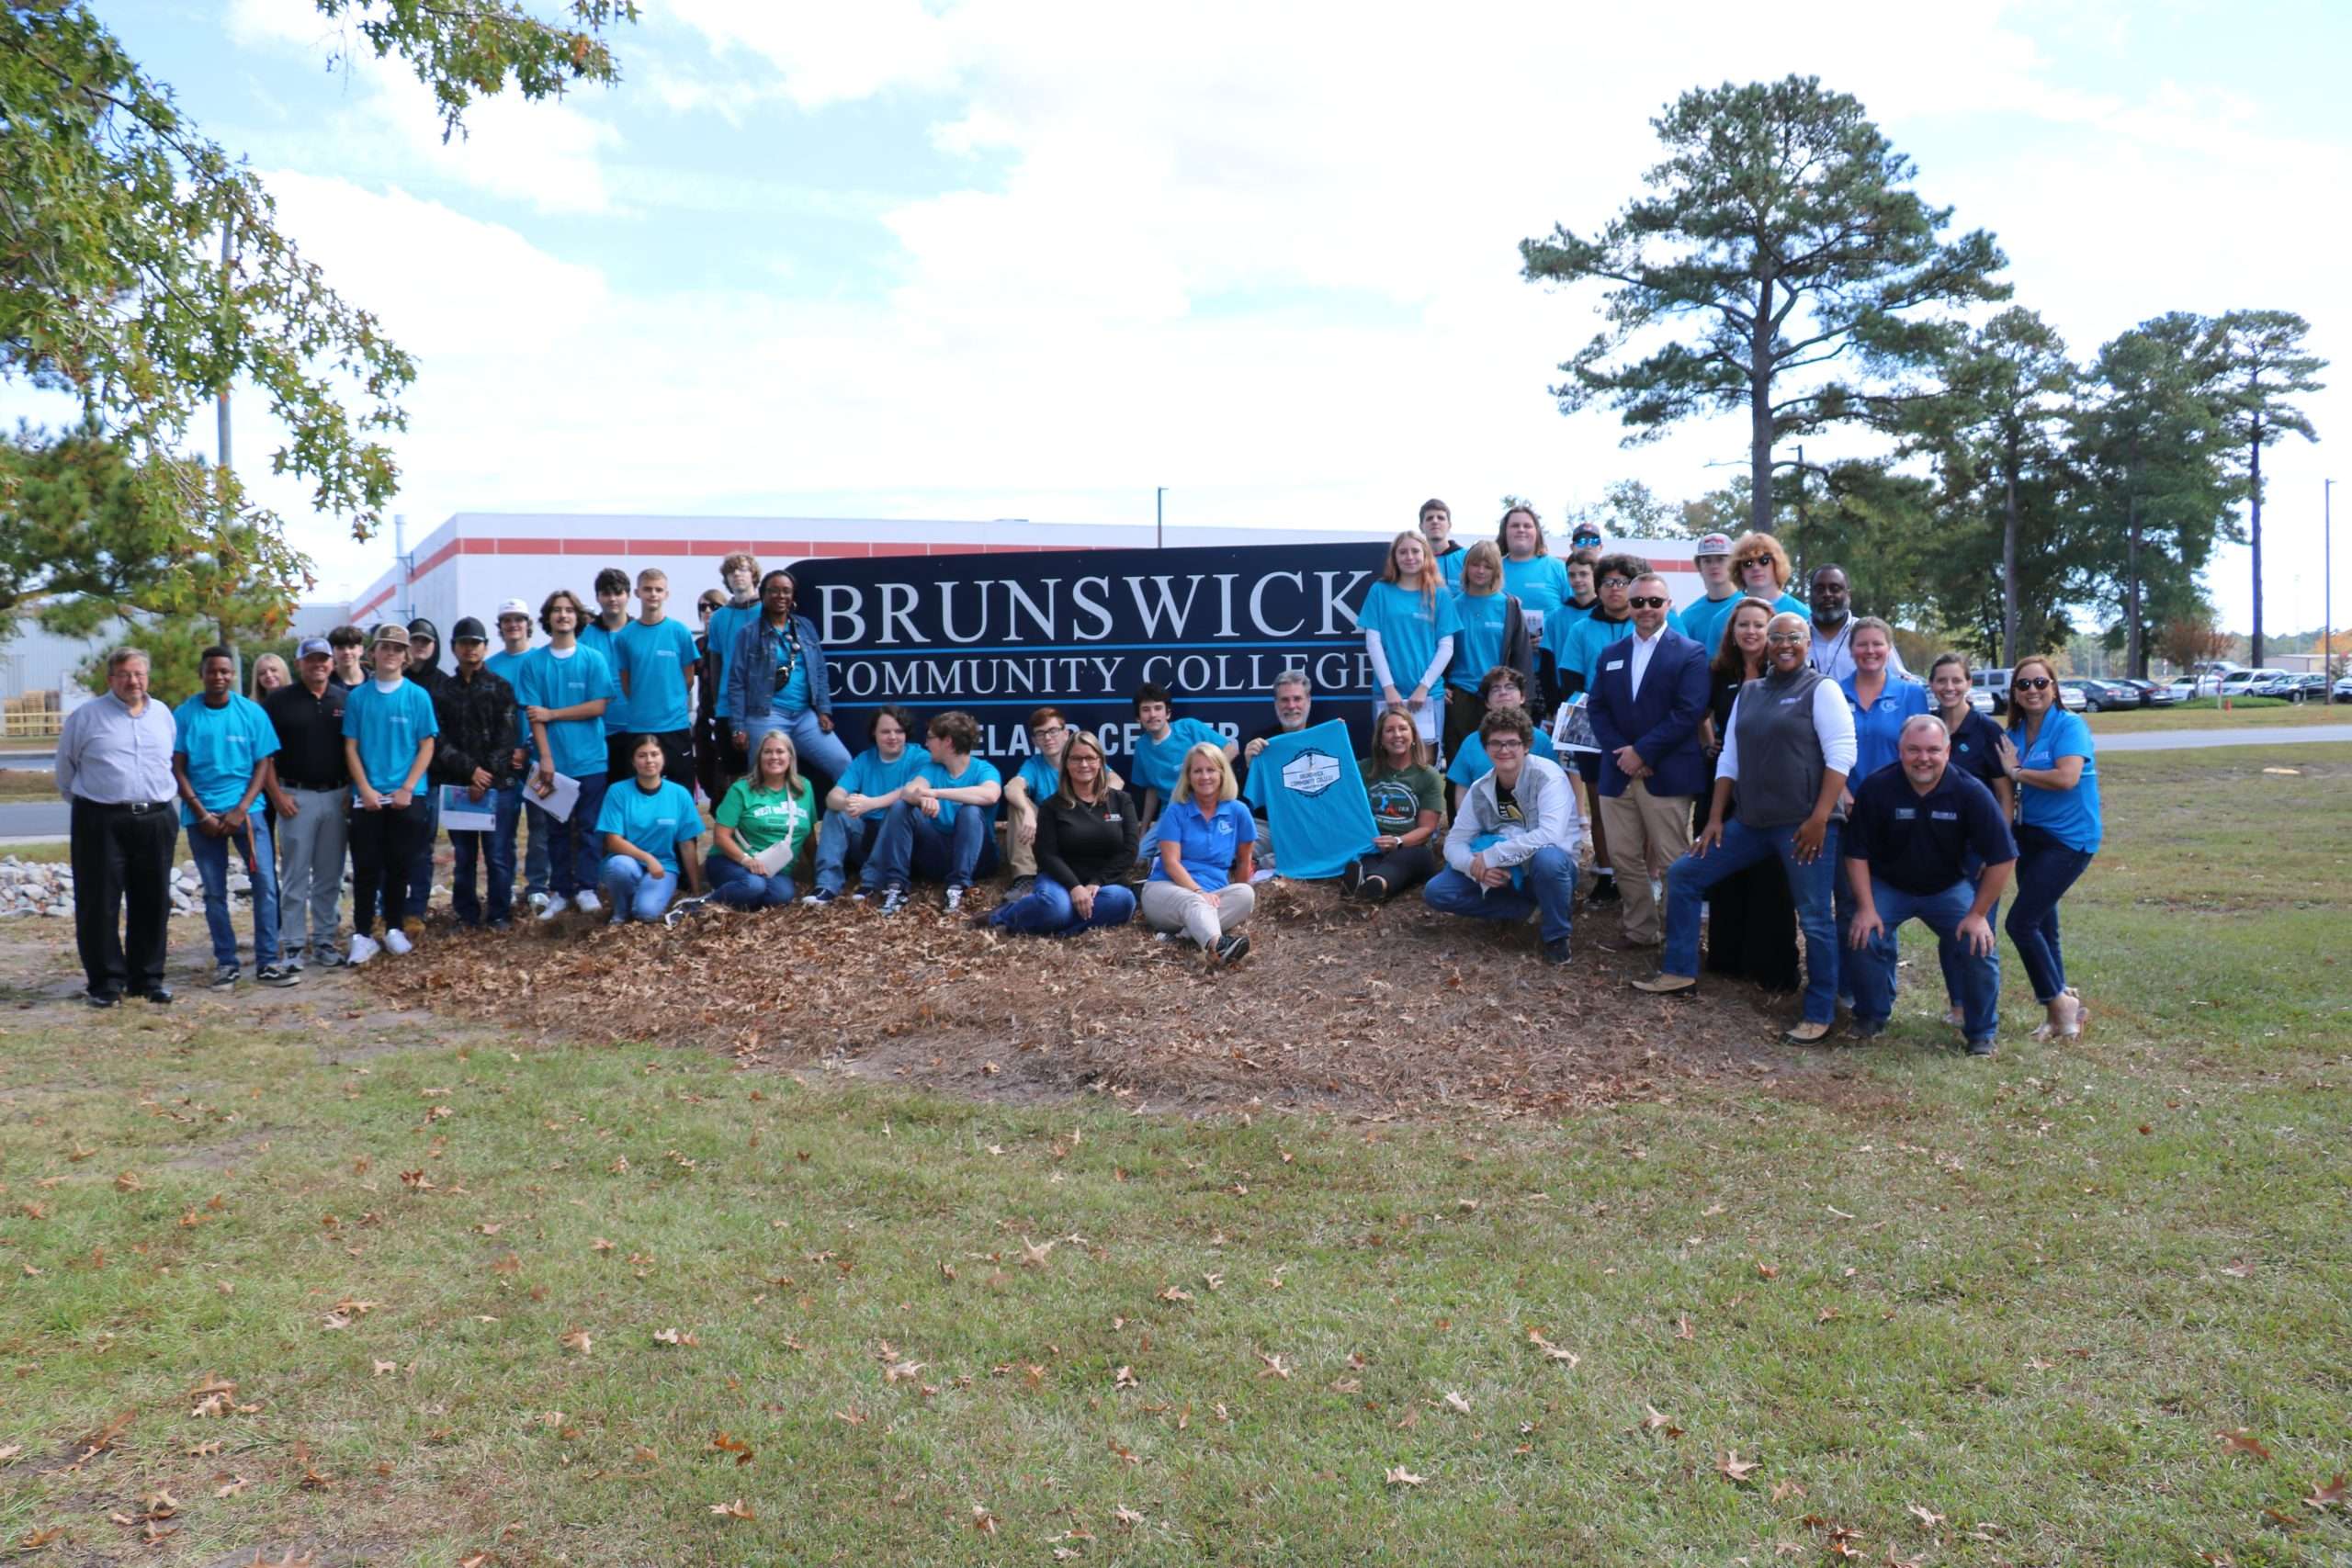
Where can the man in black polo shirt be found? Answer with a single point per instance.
(309, 787)
(1910, 840)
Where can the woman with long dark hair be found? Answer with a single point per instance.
(2049, 755)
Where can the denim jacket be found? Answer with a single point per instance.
(751, 676)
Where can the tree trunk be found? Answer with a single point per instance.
(2255, 464)
(1760, 412)
(2009, 555)
(2131, 587)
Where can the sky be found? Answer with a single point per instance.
(898, 259)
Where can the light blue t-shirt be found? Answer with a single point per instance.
(656, 820)
(390, 726)
(1878, 730)
(2069, 816)
(1207, 845)
(656, 659)
(1410, 628)
(222, 745)
(508, 666)
(1540, 581)
(791, 699)
(1157, 763)
(1470, 763)
(1478, 644)
(977, 771)
(1449, 565)
(870, 774)
(1313, 798)
(576, 744)
(1702, 622)
(1040, 778)
(606, 646)
(727, 624)
(1587, 639)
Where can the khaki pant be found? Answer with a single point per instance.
(1203, 916)
(1021, 857)
(1646, 833)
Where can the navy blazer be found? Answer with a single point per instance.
(750, 673)
(1662, 723)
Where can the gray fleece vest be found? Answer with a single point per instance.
(1780, 756)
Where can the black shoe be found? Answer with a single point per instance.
(1604, 891)
(1863, 1029)
(1233, 949)
(159, 995)
(1979, 1047)
(1021, 888)
(225, 977)
(103, 998)
(277, 974)
(1352, 879)
(1556, 951)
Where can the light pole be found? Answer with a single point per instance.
(2327, 586)
(1159, 517)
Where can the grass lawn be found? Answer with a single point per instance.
(26, 783)
(49, 852)
(2206, 714)
(578, 1301)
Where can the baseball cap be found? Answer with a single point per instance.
(1713, 544)
(512, 607)
(423, 627)
(311, 644)
(391, 632)
(468, 629)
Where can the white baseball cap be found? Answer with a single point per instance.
(516, 607)
(1713, 544)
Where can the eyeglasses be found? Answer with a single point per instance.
(1649, 602)
(1046, 732)
(1616, 581)
(1505, 743)
(2034, 683)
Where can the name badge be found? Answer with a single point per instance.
(1904, 814)
(1614, 664)
(1944, 816)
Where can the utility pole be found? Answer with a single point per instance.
(226, 465)
(2326, 587)
(1159, 518)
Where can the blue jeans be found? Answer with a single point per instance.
(1871, 970)
(634, 893)
(575, 850)
(1688, 880)
(2046, 868)
(1045, 909)
(913, 844)
(816, 748)
(745, 888)
(212, 857)
(535, 850)
(846, 844)
(497, 846)
(1954, 991)
(419, 866)
(1549, 887)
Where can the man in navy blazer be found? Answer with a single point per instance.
(1649, 691)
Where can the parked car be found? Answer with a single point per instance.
(2072, 698)
(1995, 684)
(2307, 687)
(2275, 683)
(2102, 696)
(1980, 700)
(2210, 673)
(2183, 687)
(2155, 694)
(2344, 688)
(2241, 682)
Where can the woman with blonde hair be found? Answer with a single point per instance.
(1087, 835)
(269, 674)
(1410, 622)
(1200, 879)
(768, 806)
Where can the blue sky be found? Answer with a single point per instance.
(1035, 259)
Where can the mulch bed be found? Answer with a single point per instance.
(1390, 1010)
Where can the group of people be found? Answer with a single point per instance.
(1765, 760)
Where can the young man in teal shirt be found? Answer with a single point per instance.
(221, 765)
(656, 663)
(389, 727)
(515, 640)
(942, 820)
(1159, 751)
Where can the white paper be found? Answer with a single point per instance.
(459, 814)
(1572, 727)
(560, 804)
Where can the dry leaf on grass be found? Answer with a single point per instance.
(1733, 1467)
(1400, 1477)
(738, 1509)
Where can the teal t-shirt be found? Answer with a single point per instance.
(1478, 645)
(791, 699)
(869, 774)
(977, 771)
(548, 682)
(764, 817)
(1470, 764)
(1157, 763)
(1540, 581)
(390, 726)
(222, 745)
(656, 820)
(1410, 628)
(1040, 778)
(727, 624)
(508, 666)
(1587, 639)
(606, 646)
(2069, 816)
(656, 659)
(1703, 623)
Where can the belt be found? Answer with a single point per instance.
(312, 788)
(136, 807)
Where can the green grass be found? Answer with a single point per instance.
(2022, 1294)
(2205, 713)
(49, 852)
(26, 783)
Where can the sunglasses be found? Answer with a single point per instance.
(1649, 602)
(2034, 683)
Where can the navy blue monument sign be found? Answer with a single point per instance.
(1079, 630)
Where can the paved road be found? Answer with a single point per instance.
(33, 819)
(2190, 739)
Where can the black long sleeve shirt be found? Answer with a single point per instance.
(1085, 846)
(476, 719)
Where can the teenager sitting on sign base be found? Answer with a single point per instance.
(1087, 832)
(1501, 687)
(1408, 808)
(856, 804)
(941, 824)
(1200, 879)
(1512, 848)
(1159, 749)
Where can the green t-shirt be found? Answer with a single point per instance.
(761, 817)
(1398, 798)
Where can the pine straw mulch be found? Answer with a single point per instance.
(1390, 1010)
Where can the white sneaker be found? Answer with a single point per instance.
(539, 904)
(550, 909)
(397, 943)
(587, 903)
(362, 948)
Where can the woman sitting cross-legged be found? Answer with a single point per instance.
(651, 828)
(1200, 881)
(1408, 808)
(1087, 834)
(766, 813)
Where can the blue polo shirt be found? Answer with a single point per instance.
(1207, 845)
(2069, 816)
(1470, 763)
(1157, 763)
(388, 725)
(655, 658)
(577, 745)
(977, 771)
(656, 820)
(1923, 843)
(1878, 730)
(221, 745)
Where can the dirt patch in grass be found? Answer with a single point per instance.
(1339, 1007)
